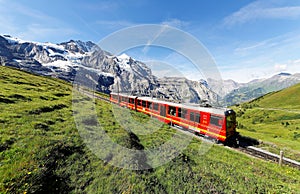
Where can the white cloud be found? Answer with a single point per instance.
(261, 10)
(293, 66)
(280, 67)
(30, 24)
(175, 23)
(101, 5)
(115, 24)
(282, 42)
(246, 73)
(39, 32)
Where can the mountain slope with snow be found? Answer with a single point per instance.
(121, 73)
(96, 68)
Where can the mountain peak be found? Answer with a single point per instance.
(124, 56)
(284, 74)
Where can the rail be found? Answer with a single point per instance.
(250, 150)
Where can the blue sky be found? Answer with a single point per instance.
(247, 39)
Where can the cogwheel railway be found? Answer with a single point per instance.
(245, 144)
(260, 153)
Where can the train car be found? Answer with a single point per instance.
(124, 100)
(216, 123)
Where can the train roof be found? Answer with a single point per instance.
(125, 95)
(197, 107)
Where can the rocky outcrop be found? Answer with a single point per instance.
(186, 91)
(98, 68)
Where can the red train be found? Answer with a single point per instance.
(216, 123)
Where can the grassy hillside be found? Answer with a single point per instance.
(42, 151)
(274, 119)
(284, 99)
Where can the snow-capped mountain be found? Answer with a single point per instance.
(88, 62)
(122, 73)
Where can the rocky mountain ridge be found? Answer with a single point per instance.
(232, 92)
(93, 66)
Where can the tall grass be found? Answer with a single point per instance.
(42, 151)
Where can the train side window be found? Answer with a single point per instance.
(215, 120)
(182, 112)
(172, 110)
(131, 100)
(139, 103)
(149, 104)
(192, 116)
(144, 103)
(155, 106)
(197, 117)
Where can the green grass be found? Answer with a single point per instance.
(41, 149)
(275, 120)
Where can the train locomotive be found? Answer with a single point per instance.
(218, 124)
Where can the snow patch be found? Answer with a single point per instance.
(12, 40)
(65, 65)
(123, 61)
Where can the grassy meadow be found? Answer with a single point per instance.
(43, 150)
(275, 120)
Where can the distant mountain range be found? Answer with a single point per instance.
(235, 93)
(124, 74)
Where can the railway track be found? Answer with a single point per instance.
(250, 150)
(260, 153)
(245, 148)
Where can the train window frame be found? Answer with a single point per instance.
(172, 110)
(192, 118)
(139, 102)
(197, 117)
(156, 106)
(214, 118)
(148, 104)
(131, 100)
(144, 103)
(182, 112)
